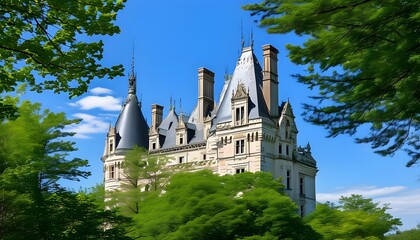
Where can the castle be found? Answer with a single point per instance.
(245, 130)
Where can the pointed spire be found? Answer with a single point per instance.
(242, 36)
(252, 38)
(132, 78)
(180, 105)
(170, 104)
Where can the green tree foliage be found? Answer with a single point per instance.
(354, 218)
(142, 173)
(362, 56)
(34, 155)
(201, 205)
(412, 234)
(44, 37)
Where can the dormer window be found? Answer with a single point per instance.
(111, 146)
(240, 115)
(181, 139)
(287, 135)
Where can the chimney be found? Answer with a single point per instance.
(157, 113)
(205, 93)
(270, 79)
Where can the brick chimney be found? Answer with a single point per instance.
(205, 93)
(157, 113)
(270, 79)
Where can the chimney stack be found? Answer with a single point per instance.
(270, 79)
(157, 113)
(205, 93)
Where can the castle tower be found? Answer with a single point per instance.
(130, 129)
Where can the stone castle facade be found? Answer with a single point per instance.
(245, 130)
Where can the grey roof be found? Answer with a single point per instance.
(248, 72)
(131, 127)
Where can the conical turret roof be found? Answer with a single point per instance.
(131, 126)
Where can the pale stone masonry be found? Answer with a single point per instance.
(245, 130)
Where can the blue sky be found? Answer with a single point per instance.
(171, 40)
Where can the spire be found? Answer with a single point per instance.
(252, 38)
(132, 78)
(242, 37)
(170, 104)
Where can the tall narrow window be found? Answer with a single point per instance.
(181, 159)
(111, 172)
(288, 180)
(240, 146)
(204, 156)
(111, 146)
(287, 129)
(154, 146)
(302, 211)
(280, 149)
(287, 150)
(181, 139)
(239, 118)
(301, 187)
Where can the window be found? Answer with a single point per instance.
(111, 146)
(239, 116)
(240, 170)
(111, 172)
(240, 146)
(181, 139)
(154, 146)
(287, 129)
(302, 212)
(181, 159)
(288, 179)
(287, 150)
(280, 149)
(301, 187)
(204, 156)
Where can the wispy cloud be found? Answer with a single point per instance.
(101, 91)
(106, 103)
(89, 125)
(404, 202)
(366, 191)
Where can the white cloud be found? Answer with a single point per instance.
(365, 191)
(106, 103)
(89, 125)
(404, 202)
(100, 91)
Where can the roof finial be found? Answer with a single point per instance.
(174, 105)
(242, 36)
(170, 104)
(180, 105)
(252, 39)
(132, 77)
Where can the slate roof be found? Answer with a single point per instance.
(131, 127)
(248, 72)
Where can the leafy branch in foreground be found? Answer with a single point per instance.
(44, 38)
(362, 57)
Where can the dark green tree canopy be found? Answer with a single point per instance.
(363, 58)
(44, 37)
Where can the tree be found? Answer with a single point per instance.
(33, 205)
(412, 234)
(362, 57)
(142, 174)
(354, 218)
(44, 38)
(201, 205)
